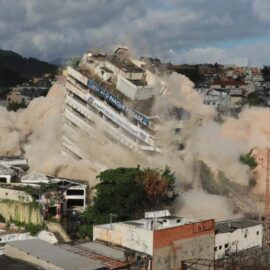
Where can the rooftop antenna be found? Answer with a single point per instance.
(266, 223)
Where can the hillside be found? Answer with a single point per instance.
(15, 69)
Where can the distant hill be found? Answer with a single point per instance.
(58, 61)
(15, 69)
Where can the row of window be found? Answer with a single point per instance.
(209, 103)
(131, 136)
(220, 247)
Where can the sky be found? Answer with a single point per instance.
(180, 31)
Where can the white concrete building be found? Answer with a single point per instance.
(74, 191)
(114, 93)
(237, 235)
(161, 239)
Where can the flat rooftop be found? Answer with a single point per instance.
(105, 250)
(232, 225)
(152, 224)
(124, 64)
(55, 255)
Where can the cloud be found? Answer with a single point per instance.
(261, 9)
(256, 54)
(57, 28)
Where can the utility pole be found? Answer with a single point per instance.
(266, 223)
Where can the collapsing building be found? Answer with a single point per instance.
(113, 92)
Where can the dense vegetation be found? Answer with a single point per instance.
(15, 69)
(193, 74)
(127, 193)
(33, 229)
(253, 99)
(15, 106)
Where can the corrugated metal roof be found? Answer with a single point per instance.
(104, 250)
(109, 262)
(232, 225)
(4, 170)
(55, 255)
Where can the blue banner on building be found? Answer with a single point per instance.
(116, 103)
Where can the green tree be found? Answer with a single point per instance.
(254, 100)
(266, 73)
(128, 192)
(15, 106)
(74, 62)
(249, 160)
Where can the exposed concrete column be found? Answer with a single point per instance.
(8, 177)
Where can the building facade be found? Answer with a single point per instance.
(115, 94)
(237, 235)
(167, 241)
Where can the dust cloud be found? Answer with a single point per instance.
(37, 132)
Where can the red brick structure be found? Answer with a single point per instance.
(174, 245)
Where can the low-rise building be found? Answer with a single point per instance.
(237, 235)
(166, 241)
(49, 256)
(74, 192)
(8, 174)
(228, 84)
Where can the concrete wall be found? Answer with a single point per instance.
(128, 75)
(132, 91)
(22, 212)
(238, 240)
(174, 245)
(14, 237)
(21, 255)
(127, 236)
(14, 195)
(77, 75)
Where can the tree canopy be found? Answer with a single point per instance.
(127, 193)
(249, 160)
(253, 99)
(266, 73)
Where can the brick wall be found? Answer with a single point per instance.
(191, 241)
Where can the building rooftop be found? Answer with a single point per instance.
(105, 250)
(142, 106)
(37, 177)
(232, 225)
(55, 255)
(124, 64)
(228, 82)
(152, 224)
(4, 170)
